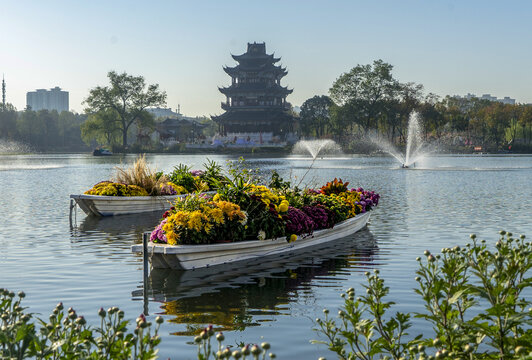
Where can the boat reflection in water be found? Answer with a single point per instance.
(95, 231)
(236, 296)
(126, 224)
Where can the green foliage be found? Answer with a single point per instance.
(65, 335)
(48, 130)
(127, 96)
(365, 88)
(241, 174)
(206, 349)
(213, 174)
(102, 127)
(181, 176)
(278, 183)
(472, 298)
(315, 115)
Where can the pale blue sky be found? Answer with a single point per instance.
(451, 47)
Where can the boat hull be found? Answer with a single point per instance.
(189, 257)
(121, 205)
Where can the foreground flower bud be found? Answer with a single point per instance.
(255, 350)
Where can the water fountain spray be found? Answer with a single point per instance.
(415, 146)
(314, 148)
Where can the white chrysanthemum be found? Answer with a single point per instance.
(244, 221)
(261, 235)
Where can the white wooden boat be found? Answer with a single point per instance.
(189, 257)
(121, 205)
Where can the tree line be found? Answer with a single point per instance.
(368, 100)
(365, 101)
(42, 130)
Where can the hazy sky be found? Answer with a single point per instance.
(451, 47)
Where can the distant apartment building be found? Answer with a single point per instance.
(505, 100)
(53, 99)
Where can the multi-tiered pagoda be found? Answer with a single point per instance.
(255, 101)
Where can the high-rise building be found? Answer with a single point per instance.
(53, 99)
(255, 100)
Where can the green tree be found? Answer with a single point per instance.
(497, 118)
(315, 115)
(49, 120)
(525, 121)
(102, 127)
(8, 122)
(69, 130)
(127, 97)
(364, 89)
(29, 127)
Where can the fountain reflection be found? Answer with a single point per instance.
(233, 297)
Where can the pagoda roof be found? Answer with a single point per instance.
(256, 51)
(260, 68)
(254, 88)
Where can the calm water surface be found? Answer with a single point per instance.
(89, 264)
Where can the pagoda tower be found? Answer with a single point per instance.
(255, 100)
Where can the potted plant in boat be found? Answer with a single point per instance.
(139, 189)
(244, 221)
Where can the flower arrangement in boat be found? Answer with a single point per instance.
(108, 188)
(242, 210)
(196, 219)
(147, 182)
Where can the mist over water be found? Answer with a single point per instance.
(316, 148)
(13, 147)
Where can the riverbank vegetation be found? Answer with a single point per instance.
(363, 103)
(368, 100)
(476, 300)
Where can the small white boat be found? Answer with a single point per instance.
(189, 257)
(121, 205)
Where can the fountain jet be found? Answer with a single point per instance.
(415, 146)
(315, 147)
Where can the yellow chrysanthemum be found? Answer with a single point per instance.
(195, 221)
(172, 237)
(217, 215)
(293, 237)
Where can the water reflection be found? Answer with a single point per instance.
(111, 237)
(233, 297)
(131, 224)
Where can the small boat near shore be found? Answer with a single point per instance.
(98, 205)
(102, 152)
(190, 257)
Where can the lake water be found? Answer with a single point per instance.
(89, 264)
